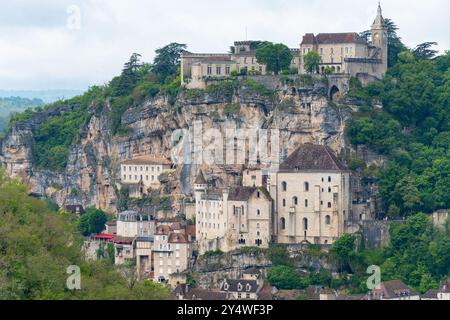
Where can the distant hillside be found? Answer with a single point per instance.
(48, 96)
(15, 105)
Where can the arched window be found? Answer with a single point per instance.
(328, 220)
(306, 186)
(284, 186)
(284, 202)
(329, 204)
(295, 201)
(258, 212)
(305, 224)
(283, 224)
(306, 203)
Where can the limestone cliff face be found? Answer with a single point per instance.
(92, 175)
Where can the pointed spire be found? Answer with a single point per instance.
(200, 178)
(379, 20)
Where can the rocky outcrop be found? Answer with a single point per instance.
(92, 177)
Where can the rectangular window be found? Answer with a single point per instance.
(227, 70)
(218, 70)
(209, 70)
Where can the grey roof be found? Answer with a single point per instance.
(397, 288)
(197, 293)
(200, 179)
(313, 157)
(431, 294)
(241, 193)
(252, 270)
(244, 286)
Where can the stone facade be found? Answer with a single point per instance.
(312, 196)
(196, 67)
(348, 53)
(343, 53)
(230, 218)
(133, 224)
(143, 173)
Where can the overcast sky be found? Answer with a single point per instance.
(43, 44)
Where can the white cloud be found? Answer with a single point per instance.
(38, 51)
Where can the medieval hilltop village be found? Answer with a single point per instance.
(311, 197)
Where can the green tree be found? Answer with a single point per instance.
(424, 51)
(343, 250)
(312, 60)
(92, 221)
(167, 61)
(286, 278)
(276, 57)
(130, 76)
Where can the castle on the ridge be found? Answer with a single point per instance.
(344, 53)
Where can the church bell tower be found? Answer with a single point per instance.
(380, 39)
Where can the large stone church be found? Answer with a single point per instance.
(344, 53)
(306, 200)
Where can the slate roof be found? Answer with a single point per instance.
(397, 288)
(197, 293)
(147, 160)
(332, 38)
(253, 270)
(241, 193)
(200, 179)
(445, 286)
(313, 157)
(245, 286)
(431, 294)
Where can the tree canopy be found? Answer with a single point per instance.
(167, 61)
(412, 129)
(276, 57)
(312, 60)
(37, 246)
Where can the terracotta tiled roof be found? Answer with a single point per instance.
(163, 230)
(177, 238)
(309, 38)
(190, 230)
(147, 159)
(313, 157)
(332, 38)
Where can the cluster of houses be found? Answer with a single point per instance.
(251, 287)
(161, 249)
(307, 199)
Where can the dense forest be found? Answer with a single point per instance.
(39, 243)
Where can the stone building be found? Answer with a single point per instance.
(196, 67)
(172, 251)
(134, 224)
(231, 218)
(348, 53)
(394, 290)
(143, 173)
(311, 191)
